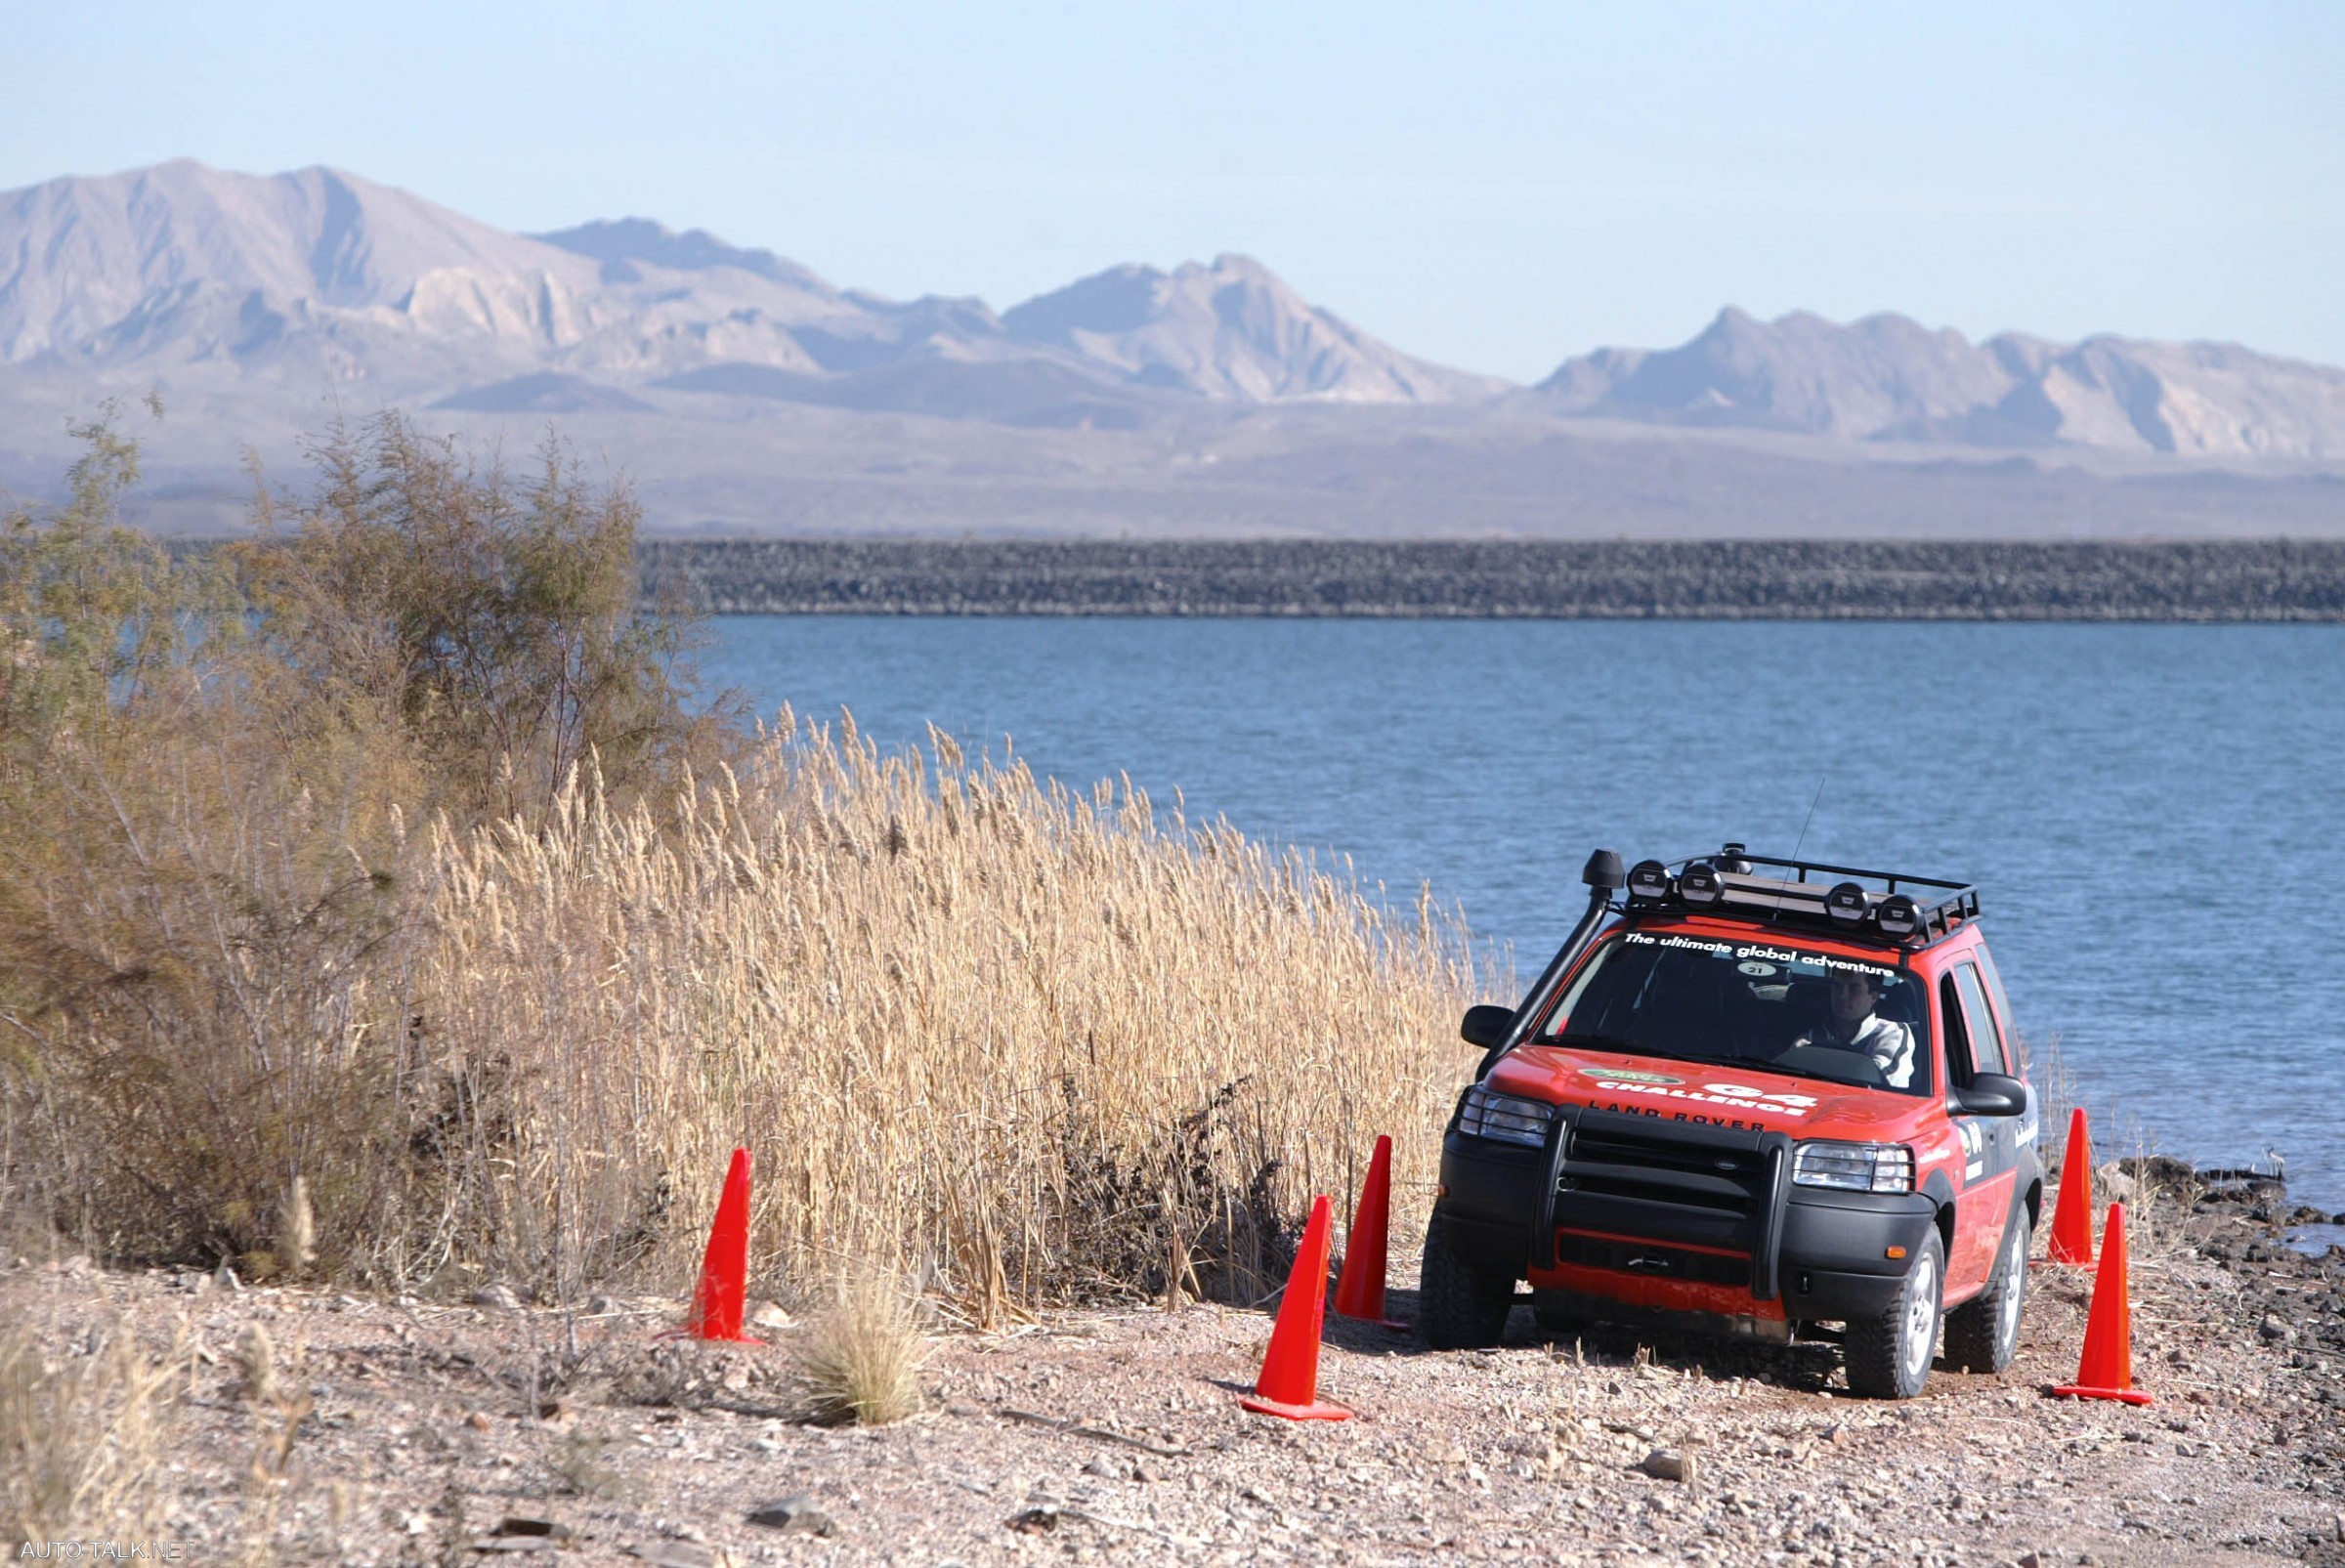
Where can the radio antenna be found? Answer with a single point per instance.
(1811, 805)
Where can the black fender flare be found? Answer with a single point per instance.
(1941, 1193)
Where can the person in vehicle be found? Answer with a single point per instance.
(1850, 1025)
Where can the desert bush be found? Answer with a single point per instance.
(210, 904)
(499, 623)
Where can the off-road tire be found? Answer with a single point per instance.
(1459, 1308)
(1888, 1355)
(1984, 1333)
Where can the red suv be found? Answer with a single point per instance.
(1750, 1096)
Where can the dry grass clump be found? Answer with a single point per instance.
(860, 1359)
(83, 1418)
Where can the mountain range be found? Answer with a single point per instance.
(256, 302)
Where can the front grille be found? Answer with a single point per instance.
(1670, 1183)
(1618, 1163)
(1652, 1260)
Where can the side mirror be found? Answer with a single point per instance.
(1992, 1094)
(1486, 1025)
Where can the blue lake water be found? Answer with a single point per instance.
(2153, 814)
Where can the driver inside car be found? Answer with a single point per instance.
(1850, 1025)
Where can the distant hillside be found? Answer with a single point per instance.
(321, 274)
(1886, 377)
(746, 394)
(1233, 331)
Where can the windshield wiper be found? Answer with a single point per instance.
(1600, 1042)
(1765, 1063)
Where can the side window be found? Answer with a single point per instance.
(2015, 1049)
(1979, 1022)
(1957, 1034)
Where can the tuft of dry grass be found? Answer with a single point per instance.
(256, 1365)
(83, 1418)
(860, 1359)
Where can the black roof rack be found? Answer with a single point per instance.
(1906, 910)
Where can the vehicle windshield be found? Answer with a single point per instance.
(1750, 1002)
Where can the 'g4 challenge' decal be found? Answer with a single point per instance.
(1741, 1096)
(1628, 1076)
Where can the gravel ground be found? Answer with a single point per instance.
(430, 1425)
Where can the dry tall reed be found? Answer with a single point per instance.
(1025, 1042)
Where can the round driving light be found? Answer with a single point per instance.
(1847, 904)
(1899, 916)
(1698, 883)
(1648, 880)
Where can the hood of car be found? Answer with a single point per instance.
(1706, 1093)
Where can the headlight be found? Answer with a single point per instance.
(1506, 1117)
(1856, 1167)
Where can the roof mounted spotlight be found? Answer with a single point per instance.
(1899, 915)
(1848, 903)
(1649, 881)
(1699, 885)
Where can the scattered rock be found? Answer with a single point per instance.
(671, 1554)
(771, 1315)
(514, 1524)
(1036, 1521)
(796, 1515)
(600, 1306)
(476, 1420)
(501, 1296)
(2275, 1330)
(1667, 1464)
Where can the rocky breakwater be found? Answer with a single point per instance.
(2227, 580)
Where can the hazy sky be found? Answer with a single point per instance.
(1497, 186)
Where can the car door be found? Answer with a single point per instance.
(1989, 1143)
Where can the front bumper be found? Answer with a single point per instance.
(1659, 1217)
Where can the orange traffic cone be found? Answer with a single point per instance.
(1289, 1384)
(1361, 1288)
(2106, 1371)
(2073, 1215)
(718, 1301)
